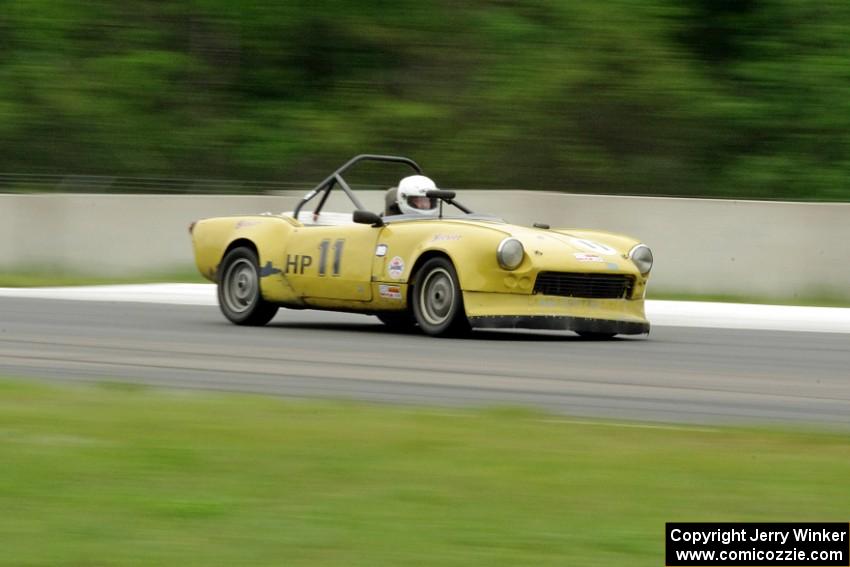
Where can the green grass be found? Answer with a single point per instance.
(39, 278)
(113, 476)
(821, 300)
(36, 278)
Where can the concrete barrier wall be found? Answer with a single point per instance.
(774, 250)
(108, 234)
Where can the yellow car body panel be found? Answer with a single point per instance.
(415, 266)
(362, 268)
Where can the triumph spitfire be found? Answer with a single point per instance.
(425, 262)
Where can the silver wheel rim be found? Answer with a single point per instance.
(437, 297)
(240, 286)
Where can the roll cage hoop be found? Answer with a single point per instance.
(324, 188)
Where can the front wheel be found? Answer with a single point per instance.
(239, 289)
(437, 300)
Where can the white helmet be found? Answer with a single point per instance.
(411, 197)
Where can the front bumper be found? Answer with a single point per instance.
(508, 310)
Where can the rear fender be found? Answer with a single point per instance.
(213, 238)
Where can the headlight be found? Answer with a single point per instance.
(510, 253)
(641, 255)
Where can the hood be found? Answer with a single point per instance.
(576, 241)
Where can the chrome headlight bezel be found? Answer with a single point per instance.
(641, 256)
(510, 253)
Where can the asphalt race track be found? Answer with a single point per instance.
(688, 375)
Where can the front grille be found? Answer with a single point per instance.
(593, 286)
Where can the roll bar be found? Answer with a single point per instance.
(336, 178)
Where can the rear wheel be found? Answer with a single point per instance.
(239, 289)
(437, 299)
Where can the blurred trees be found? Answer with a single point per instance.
(739, 98)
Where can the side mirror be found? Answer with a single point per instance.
(440, 194)
(367, 217)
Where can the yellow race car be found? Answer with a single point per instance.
(426, 261)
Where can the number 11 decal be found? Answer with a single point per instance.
(323, 255)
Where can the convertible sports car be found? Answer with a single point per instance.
(418, 265)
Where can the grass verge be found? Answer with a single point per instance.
(114, 475)
(804, 300)
(37, 278)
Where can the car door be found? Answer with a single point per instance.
(331, 262)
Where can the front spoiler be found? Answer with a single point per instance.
(537, 311)
(561, 323)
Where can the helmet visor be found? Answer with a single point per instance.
(421, 202)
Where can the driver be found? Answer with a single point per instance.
(410, 197)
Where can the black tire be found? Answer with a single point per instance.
(401, 321)
(239, 289)
(437, 300)
(596, 336)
